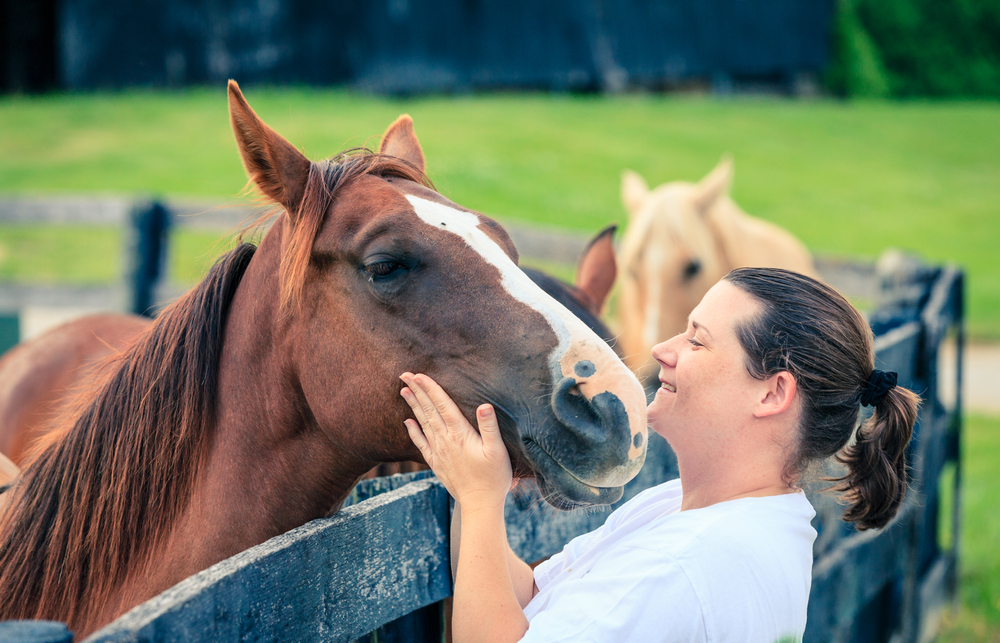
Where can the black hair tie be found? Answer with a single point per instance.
(878, 384)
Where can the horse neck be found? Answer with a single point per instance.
(269, 468)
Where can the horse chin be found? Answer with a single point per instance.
(563, 490)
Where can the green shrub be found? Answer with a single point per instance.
(916, 48)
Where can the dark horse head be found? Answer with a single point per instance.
(254, 403)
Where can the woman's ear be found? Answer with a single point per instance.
(779, 393)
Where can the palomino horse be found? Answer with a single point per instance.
(254, 403)
(681, 239)
(38, 376)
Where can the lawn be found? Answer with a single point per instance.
(977, 618)
(849, 178)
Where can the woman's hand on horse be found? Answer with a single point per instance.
(473, 466)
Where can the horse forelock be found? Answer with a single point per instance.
(326, 180)
(94, 504)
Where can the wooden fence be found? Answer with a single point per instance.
(379, 569)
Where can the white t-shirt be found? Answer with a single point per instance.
(735, 571)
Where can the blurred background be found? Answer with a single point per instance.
(858, 125)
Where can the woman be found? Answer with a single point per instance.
(769, 377)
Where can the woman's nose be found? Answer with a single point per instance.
(666, 352)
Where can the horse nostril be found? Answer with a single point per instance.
(575, 390)
(584, 368)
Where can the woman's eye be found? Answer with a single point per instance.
(694, 342)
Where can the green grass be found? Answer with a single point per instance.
(848, 178)
(978, 616)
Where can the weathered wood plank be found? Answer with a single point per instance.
(849, 577)
(333, 579)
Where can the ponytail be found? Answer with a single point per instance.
(876, 481)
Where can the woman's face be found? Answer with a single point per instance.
(705, 391)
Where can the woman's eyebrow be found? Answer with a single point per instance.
(698, 326)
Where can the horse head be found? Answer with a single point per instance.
(379, 275)
(670, 255)
(681, 239)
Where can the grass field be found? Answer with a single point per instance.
(849, 178)
(977, 619)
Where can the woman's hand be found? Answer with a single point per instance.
(473, 466)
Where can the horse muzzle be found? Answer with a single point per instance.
(595, 441)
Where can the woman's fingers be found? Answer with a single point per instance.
(419, 439)
(489, 429)
(443, 404)
(427, 411)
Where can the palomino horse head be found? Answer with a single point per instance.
(389, 276)
(681, 239)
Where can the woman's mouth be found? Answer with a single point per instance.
(668, 387)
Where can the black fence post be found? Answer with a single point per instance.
(149, 227)
(10, 330)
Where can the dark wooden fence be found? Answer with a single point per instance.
(378, 569)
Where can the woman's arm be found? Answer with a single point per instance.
(521, 575)
(475, 469)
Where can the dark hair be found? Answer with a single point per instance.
(809, 330)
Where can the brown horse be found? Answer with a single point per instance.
(254, 403)
(38, 376)
(681, 239)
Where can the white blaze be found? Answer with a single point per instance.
(564, 324)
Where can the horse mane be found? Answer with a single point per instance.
(118, 472)
(114, 477)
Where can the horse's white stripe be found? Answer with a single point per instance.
(466, 225)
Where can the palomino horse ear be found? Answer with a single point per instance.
(634, 192)
(400, 141)
(278, 169)
(715, 185)
(596, 272)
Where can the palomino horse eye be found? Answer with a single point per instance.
(692, 268)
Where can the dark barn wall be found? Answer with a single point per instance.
(27, 45)
(439, 45)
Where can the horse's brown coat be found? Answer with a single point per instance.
(40, 375)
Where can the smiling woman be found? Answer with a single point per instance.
(770, 375)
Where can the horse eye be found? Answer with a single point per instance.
(383, 269)
(692, 268)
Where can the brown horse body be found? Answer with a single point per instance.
(682, 238)
(39, 376)
(254, 403)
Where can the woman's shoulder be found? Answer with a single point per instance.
(737, 528)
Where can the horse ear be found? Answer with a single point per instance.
(271, 162)
(715, 185)
(596, 272)
(634, 192)
(400, 141)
